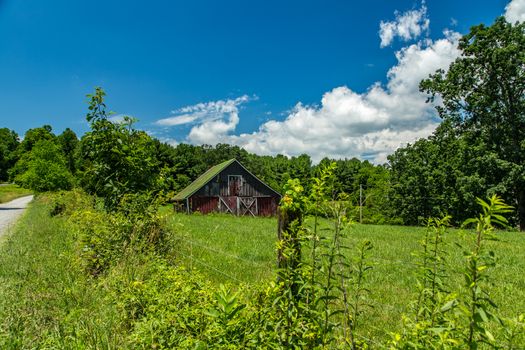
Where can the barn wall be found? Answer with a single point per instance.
(267, 206)
(204, 205)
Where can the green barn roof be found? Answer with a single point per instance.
(202, 180)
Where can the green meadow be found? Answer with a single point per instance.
(235, 250)
(46, 300)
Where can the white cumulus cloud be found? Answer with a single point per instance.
(408, 25)
(367, 125)
(348, 124)
(515, 11)
(211, 120)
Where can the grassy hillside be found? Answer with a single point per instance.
(242, 249)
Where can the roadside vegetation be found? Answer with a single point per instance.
(8, 192)
(46, 301)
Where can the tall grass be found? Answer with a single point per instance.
(45, 300)
(10, 192)
(144, 299)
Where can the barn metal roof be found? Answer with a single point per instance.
(208, 176)
(202, 180)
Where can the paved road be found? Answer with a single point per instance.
(10, 211)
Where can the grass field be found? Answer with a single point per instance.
(242, 249)
(45, 300)
(8, 192)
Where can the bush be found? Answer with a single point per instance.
(104, 238)
(164, 306)
(44, 169)
(65, 203)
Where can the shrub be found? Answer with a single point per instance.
(44, 169)
(65, 203)
(105, 237)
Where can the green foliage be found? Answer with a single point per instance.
(66, 203)
(105, 238)
(466, 318)
(8, 144)
(230, 328)
(43, 168)
(321, 296)
(68, 141)
(478, 305)
(430, 327)
(482, 95)
(441, 175)
(163, 306)
(31, 138)
(117, 159)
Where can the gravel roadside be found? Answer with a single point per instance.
(10, 211)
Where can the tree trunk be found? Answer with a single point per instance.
(521, 208)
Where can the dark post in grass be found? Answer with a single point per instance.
(289, 252)
(289, 222)
(289, 230)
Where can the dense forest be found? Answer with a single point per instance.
(477, 151)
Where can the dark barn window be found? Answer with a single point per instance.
(234, 184)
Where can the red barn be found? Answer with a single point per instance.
(228, 188)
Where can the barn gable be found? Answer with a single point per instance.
(229, 187)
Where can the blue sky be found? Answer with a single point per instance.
(290, 77)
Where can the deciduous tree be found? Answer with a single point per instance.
(117, 158)
(483, 94)
(44, 168)
(8, 144)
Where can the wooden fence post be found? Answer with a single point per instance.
(288, 226)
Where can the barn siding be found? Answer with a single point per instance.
(204, 205)
(267, 206)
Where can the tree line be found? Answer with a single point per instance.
(477, 151)
(114, 159)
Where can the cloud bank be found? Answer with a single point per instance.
(215, 119)
(369, 125)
